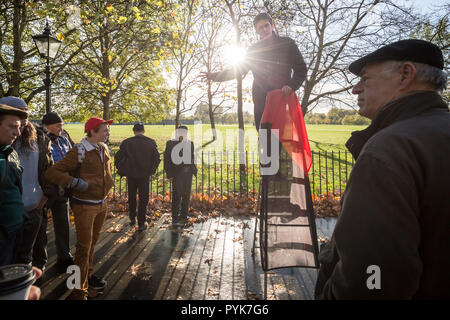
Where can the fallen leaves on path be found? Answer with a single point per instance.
(141, 271)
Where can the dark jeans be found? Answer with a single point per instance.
(34, 241)
(9, 248)
(61, 225)
(181, 194)
(136, 185)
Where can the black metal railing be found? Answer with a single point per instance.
(219, 174)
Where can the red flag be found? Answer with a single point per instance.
(285, 114)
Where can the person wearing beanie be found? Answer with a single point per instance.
(137, 159)
(58, 203)
(86, 170)
(392, 237)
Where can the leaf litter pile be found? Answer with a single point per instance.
(327, 205)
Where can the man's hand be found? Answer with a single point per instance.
(79, 184)
(208, 76)
(286, 90)
(42, 202)
(35, 292)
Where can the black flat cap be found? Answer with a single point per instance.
(404, 50)
(51, 118)
(5, 110)
(139, 127)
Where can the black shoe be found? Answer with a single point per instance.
(96, 283)
(143, 227)
(132, 222)
(62, 265)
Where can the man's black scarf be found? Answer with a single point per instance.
(403, 108)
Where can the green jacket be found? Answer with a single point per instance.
(11, 205)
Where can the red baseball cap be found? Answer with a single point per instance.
(93, 123)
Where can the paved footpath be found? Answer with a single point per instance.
(207, 261)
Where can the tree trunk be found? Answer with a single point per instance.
(211, 112)
(14, 83)
(241, 145)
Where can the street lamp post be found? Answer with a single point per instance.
(48, 47)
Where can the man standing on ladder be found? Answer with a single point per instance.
(276, 63)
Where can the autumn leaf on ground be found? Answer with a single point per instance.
(212, 292)
(115, 229)
(110, 215)
(143, 270)
(209, 261)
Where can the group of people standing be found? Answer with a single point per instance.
(395, 209)
(44, 169)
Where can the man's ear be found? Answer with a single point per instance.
(408, 74)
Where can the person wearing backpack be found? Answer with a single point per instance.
(86, 170)
(138, 159)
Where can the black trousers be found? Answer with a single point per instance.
(61, 225)
(33, 248)
(141, 186)
(181, 195)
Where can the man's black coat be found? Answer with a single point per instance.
(172, 169)
(139, 155)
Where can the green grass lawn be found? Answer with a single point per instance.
(321, 137)
(330, 170)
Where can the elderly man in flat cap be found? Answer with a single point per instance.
(392, 238)
(11, 204)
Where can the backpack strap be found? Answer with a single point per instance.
(81, 153)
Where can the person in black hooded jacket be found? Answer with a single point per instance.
(276, 63)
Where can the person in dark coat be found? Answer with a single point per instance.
(276, 63)
(179, 164)
(11, 204)
(57, 202)
(392, 237)
(34, 152)
(138, 159)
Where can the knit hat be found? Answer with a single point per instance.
(51, 118)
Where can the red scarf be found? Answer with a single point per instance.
(285, 114)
